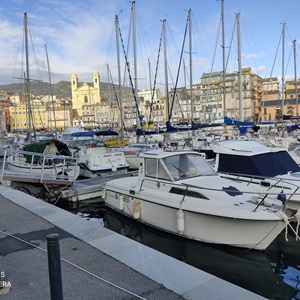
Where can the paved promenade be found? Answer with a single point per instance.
(96, 263)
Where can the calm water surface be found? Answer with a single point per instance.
(274, 273)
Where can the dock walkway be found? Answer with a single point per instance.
(96, 262)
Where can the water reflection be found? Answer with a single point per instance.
(274, 274)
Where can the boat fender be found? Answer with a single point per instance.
(121, 202)
(180, 221)
(114, 169)
(136, 209)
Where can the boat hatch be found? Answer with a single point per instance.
(232, 191)
(185, 192)
(265, 183)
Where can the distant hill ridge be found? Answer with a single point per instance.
(61, 89)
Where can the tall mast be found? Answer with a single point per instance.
(241, 113)
(224, 63)
(282, 82)
(166, 72)
(186, 99)
(191, 69)
(119, 78)
(27, 78)
(134, 55)
(51, 91)
(295, 72)
(150, 86)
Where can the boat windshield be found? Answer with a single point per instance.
(187, 165)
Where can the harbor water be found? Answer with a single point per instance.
(273, 274)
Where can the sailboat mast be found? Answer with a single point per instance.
(191, 65)
(295, 72)
(27, 78)
(224, 62)
(241, 113)
(119, 78)
(49, 75)
(134, 55)
(282, 82)
(186, 99)
(150, 86)
(166, 72)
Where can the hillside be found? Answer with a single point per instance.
(61, 89)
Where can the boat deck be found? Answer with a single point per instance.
(90, 188)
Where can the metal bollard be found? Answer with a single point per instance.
(56, 291)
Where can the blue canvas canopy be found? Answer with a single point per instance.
(92, 133)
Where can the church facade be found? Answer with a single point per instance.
(85, 94)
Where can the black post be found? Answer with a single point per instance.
(54, 267)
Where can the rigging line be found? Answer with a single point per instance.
(131, 84)
(74, 265)
(177, 102)
(201, 43)
(180, 60)
(155, 76)
(265, 96)
(231, 42)
(248, 42)
(211, 70)
(288, 61)
(116, 95)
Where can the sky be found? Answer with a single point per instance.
(80, 37)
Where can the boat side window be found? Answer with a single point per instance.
(154, 169)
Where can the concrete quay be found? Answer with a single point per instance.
(96, 262)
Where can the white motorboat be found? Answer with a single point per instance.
(178, 192)
(132, 151)
(95, 158)
(256, 164)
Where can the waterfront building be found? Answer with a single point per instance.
(5, 103)
(212, 95)
(58, 114)
(151, 102)
(270, 103)
(19, 115)
(84, 94)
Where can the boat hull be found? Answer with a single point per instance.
(245, 233)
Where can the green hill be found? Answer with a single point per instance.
(61, 89)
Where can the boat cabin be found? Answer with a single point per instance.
(173, 166)
(252, 158)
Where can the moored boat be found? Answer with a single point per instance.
(178, 192)
(255, 164)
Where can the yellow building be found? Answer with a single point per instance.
(273, 101)
(84, 94)
(19, 116)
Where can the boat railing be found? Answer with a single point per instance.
(279, 179)
(261, 194)
(28, 163)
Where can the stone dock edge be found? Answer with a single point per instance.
(175, 275)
